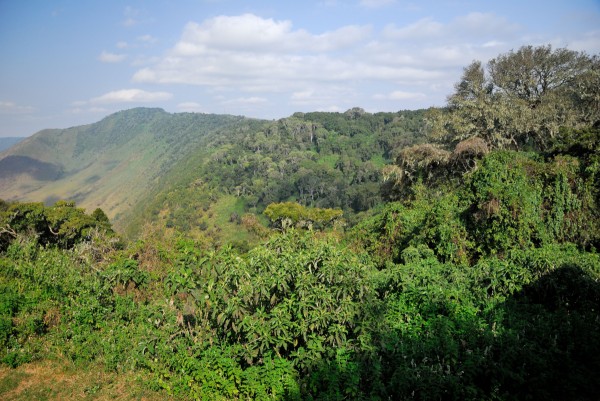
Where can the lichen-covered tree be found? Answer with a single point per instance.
(522, 98)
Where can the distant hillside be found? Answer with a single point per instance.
(7, 142)
(200, 173)
(109, 164)
(326, 160)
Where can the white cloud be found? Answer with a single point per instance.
(255, 54)
(423, 28)
(131, 96)
(376, 3)
(251, 33)
(8, 107)
(190, 107)
(303, 96)
(483, 24)
(590, 43)
(331, 109)
(318, 98)
(400, 95)
(148, 39)
(246, 31)
(122, 45)
(246, 100)
(107, 57)
(493, 43)
(252, 59)
(260, 55)
(473, 26)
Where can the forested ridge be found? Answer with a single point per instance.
(330, 160)
(445, 254)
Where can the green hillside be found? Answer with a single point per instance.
(330, 160)
(109, 164)
(178, 170)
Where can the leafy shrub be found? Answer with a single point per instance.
(62, 224)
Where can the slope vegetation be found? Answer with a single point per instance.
(192, 172)
(326, 160)
(110, 164)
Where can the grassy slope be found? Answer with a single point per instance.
(111, 164)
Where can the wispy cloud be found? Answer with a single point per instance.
(400, 95)
(424, 28)
(110, 101)
(131, 96)
(8, 107)
(376, 3)
(190, 107)
(107, 57)
(87, 110)
(147, 39)
(590, 42)
(131, 15)
(245, 100)
(134, 16)
(473, 26)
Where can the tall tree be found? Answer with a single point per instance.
(524, 98)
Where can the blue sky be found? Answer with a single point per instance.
(72, 62)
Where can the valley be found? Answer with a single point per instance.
(448, 253)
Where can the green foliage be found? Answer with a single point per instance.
(512, 200)
(125, 273)
(523, 100)
(323, 160)
(62, 224)
(293, 214)
(430, 221)
(309, 317)
(506, 203)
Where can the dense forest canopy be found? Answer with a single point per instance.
(450, 254)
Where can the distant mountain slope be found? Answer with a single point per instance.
(197, 172)
(321, 159)
(7, 142)
(110, 164)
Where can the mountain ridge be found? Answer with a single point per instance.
(107, 164)
(190, 170)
